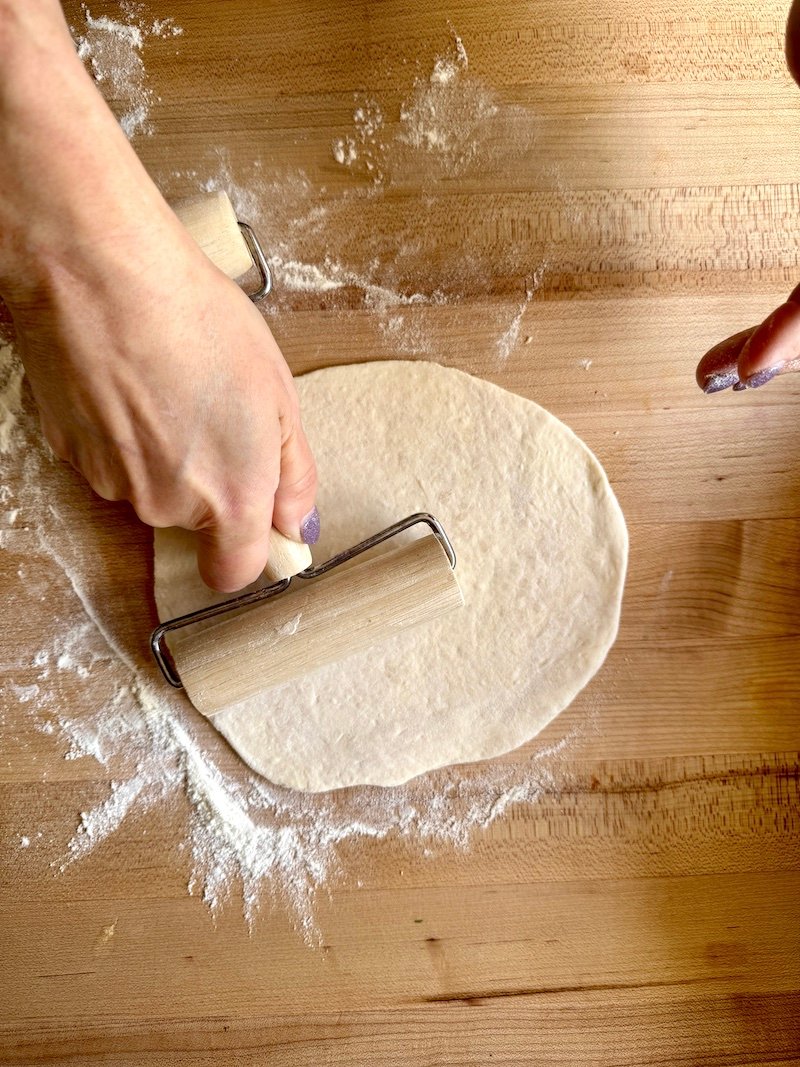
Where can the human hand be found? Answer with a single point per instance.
(755, 356)
(154, 375)
(158, 380)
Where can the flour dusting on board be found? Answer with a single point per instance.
(245, 838)
(444, 125)
(341, 243)
(10, 395)
(112, 51)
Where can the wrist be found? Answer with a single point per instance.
(69, 181)
(31, 32)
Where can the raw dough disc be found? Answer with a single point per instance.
(542, 549)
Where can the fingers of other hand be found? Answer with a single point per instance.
(757, 355)
(793, 41)
(717, 369)
(772, 345)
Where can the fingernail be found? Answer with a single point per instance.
(755, 381)
(739, 387)
(717, 382)
(309, 528)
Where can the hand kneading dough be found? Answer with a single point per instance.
(541, 546)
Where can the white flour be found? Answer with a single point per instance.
(10, 401)
(112, 52)
(342, 249)
(509, 338)
(244, 837)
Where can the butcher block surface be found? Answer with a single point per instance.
(632, 199)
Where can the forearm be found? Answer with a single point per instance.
(69, 180)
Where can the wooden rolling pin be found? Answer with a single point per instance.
(212, 222)
(320, 622)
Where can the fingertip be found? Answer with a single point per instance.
(305, 532)
(755, 381)
(310, 527)
(717, 369)
(774, 345)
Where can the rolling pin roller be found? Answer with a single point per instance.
(271, 635)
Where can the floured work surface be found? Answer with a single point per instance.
(629, 882)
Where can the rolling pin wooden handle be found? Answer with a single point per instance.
(286, 557)
(321, 622)
(212, 222)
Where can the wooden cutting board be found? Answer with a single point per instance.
(632, 199)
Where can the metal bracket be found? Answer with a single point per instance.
(259, 262)
(158, 642)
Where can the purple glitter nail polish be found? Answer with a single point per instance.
(717, 382)
(755, 381)
(309, 528)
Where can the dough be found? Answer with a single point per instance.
(542, 550)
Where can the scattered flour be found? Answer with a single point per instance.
(25, 693)
(509, 338)
(112, 52)
(446, 125)
(448, 117)
(345, 248)
(344, 151)
(364, 144)
(11, 374)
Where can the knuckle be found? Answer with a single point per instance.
(153, 517)
(290, 417)
(152, 512)
(107, 489)
(242, 519)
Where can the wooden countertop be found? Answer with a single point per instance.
(632, 198)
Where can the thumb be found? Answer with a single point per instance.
(294, 513)
(229, 557)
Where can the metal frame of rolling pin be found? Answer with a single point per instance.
(158, 643)
(259, 261)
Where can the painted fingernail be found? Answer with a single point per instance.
(739, 387)
(309, 528)
(755, 381)
(717, 382)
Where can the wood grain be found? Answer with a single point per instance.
(633, 200)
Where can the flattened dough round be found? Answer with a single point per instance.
(542, 550)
